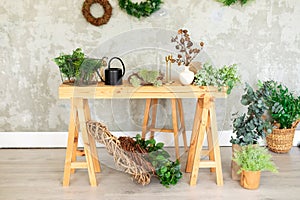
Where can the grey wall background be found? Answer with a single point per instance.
(262, 37)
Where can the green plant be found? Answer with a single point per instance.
(254, 158)
(284, 106)
(146, 77)
(185, 47)
(142, 9)
(87, 70)
(210, 76)
(251, 126)
(69, 65)
(229, 2)
(166, 170)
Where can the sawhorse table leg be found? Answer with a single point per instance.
(79, 115)
(204, 122)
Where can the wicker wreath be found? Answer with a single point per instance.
(100, 20)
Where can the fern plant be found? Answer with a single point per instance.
(254, 158)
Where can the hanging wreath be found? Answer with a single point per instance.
(86, 11)
(142, 9)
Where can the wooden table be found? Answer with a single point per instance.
(204, 122)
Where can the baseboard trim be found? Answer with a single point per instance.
(59, 139)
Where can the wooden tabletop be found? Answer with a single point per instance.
(126, 91)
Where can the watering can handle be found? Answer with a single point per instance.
(121, 63)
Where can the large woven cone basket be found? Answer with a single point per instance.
(281, 140)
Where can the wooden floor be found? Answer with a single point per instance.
(37, 174)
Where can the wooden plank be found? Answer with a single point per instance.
(126, 91)
(80, 152)
(215, 139)
(75, 143)
(78, 165)
(70, 145)
(94, 152)
(207, 164)
(161, 130)
(199, 143)
(87, 147)
(175, 128)
(182, 124)
(210, 141)
(146, 118)
(154, 103)
(194, 136)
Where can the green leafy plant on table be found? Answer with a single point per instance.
(69, 64)
(146, 77)
(223, 77)
(167, 171)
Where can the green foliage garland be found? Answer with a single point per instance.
(142, 9)
(229, 2)
(167, 171)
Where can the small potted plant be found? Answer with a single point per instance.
(284, 113)
(77, 69)
(249, 127)
(253, 159)
(186, 54)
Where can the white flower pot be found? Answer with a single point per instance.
(186, 77)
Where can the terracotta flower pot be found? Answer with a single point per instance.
(250, 179)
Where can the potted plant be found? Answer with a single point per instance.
(252, 159)
(249, 127)
(76, 69)
(284, 113)
(186, 54)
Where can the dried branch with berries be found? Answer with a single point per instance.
(185, 47)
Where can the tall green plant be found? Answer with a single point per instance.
(251, 126)
(284, 106)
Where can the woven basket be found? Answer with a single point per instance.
(130, 162)
(281, 140)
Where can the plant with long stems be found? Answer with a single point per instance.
(185, 47)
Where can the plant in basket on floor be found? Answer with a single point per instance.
(284, 113)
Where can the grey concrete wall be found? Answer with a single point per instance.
(263, 38)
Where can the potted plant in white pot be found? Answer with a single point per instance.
(253, 159)
(249, 127)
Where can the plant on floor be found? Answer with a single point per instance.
(254, 158)
(251, 126)
(146, 77)
(167, 171)
(223, 77)
(284, 106)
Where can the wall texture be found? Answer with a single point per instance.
(263, 38)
